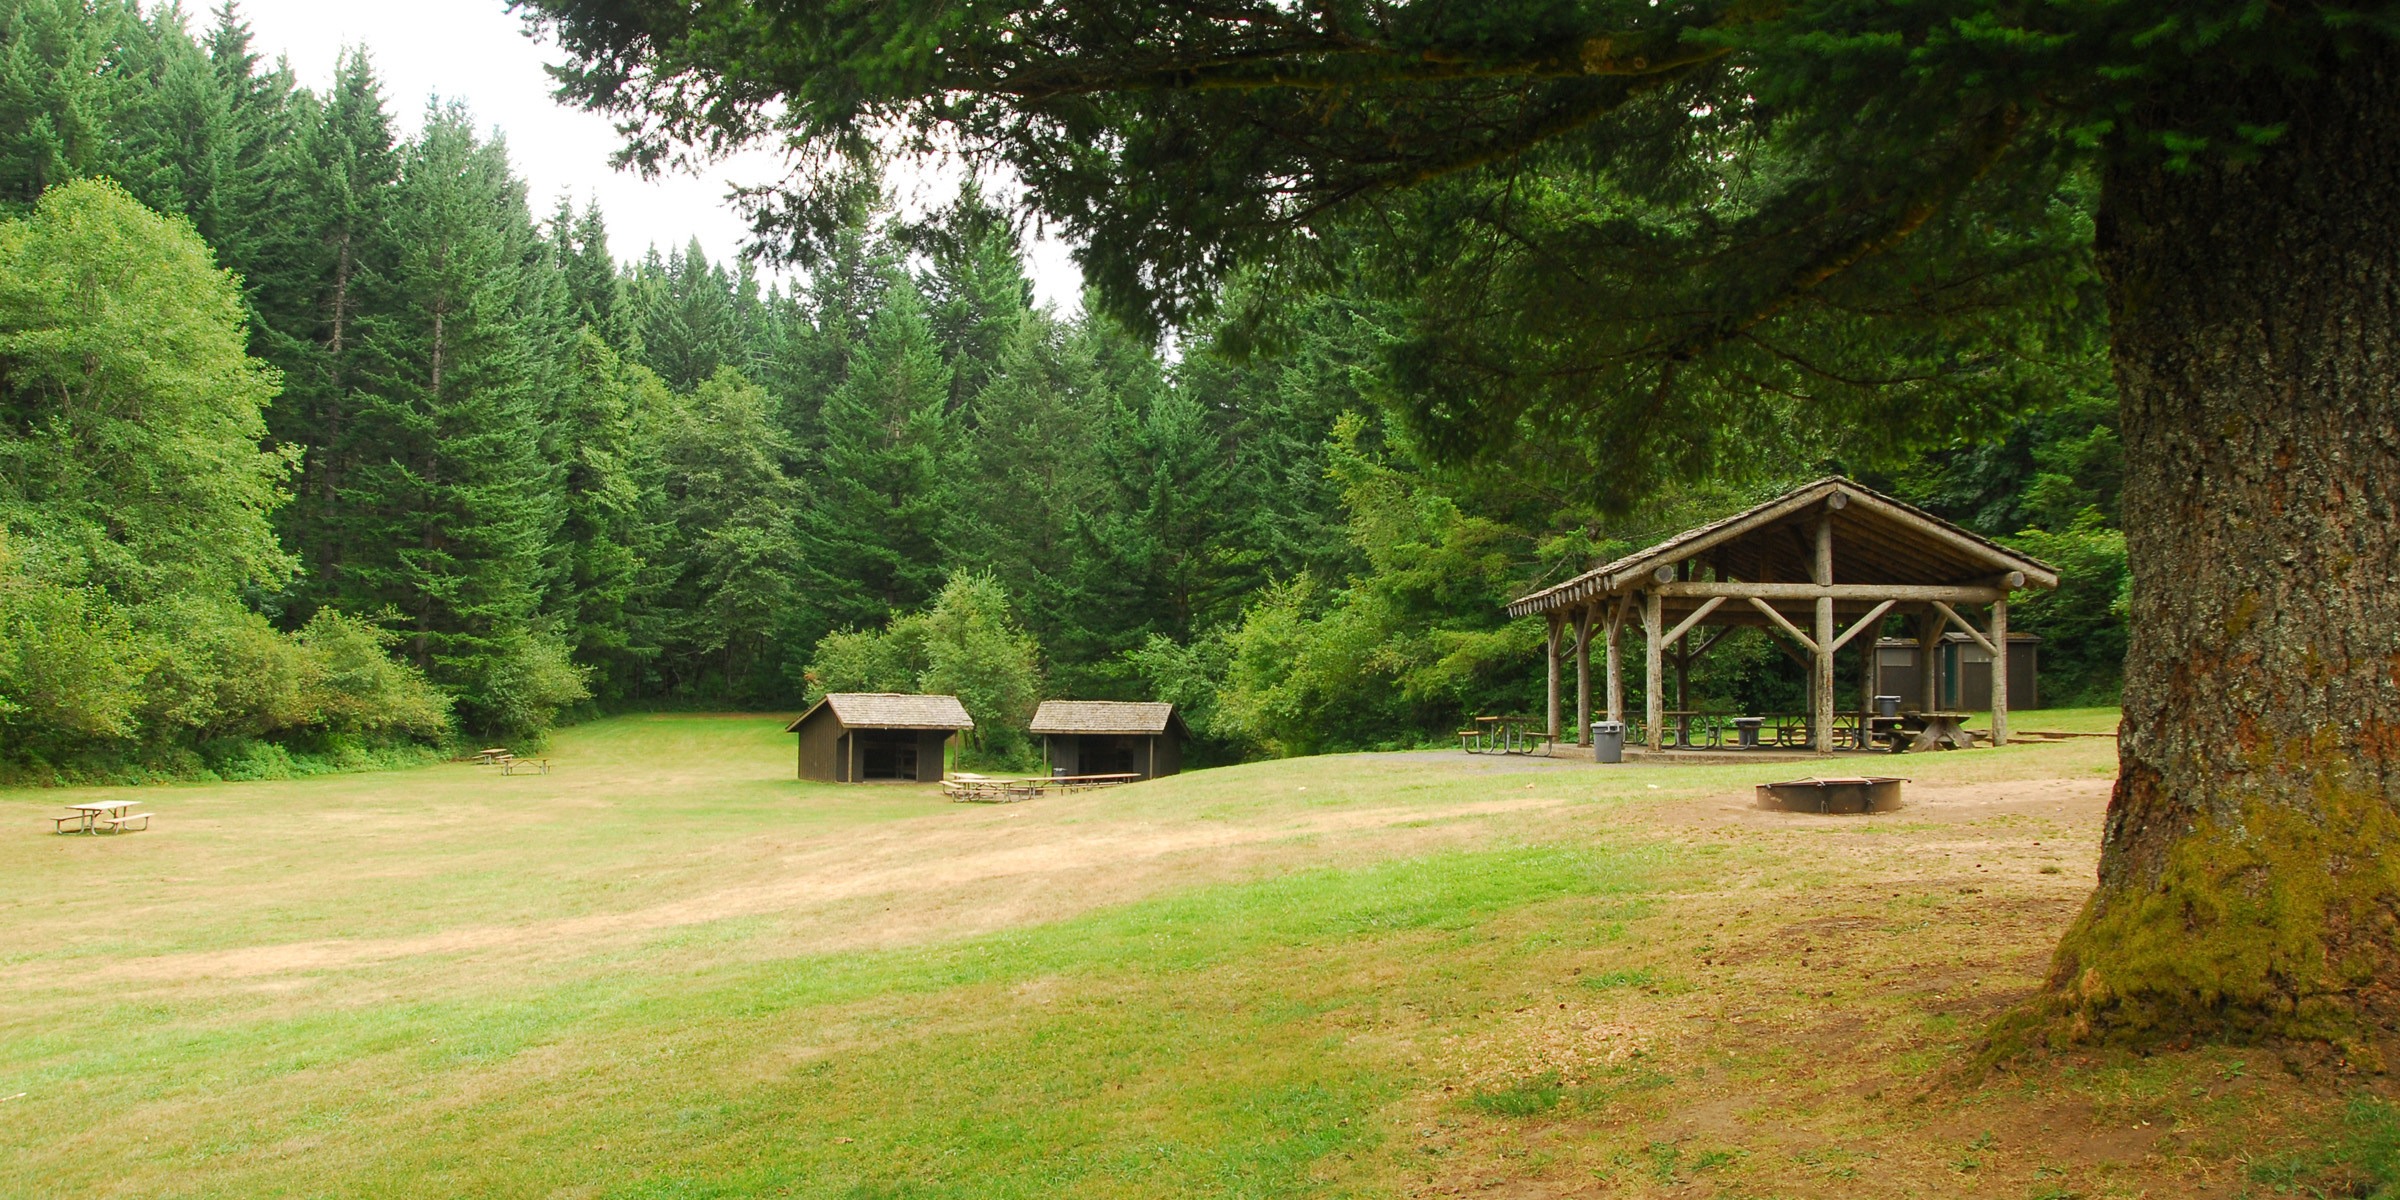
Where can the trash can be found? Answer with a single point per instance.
(1887, 706)
(1058, 772)
(1746, 731)
(1608, 741)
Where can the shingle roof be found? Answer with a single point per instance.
(1915, 547)
(890, 710)
(1104, 716)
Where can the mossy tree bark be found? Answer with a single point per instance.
(2250, 873)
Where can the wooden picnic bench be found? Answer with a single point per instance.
(1942, 731)
(96, 815)
(512, 765)
(1504, 735)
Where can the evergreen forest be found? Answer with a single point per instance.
(323, 443)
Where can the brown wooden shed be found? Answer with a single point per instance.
(866, 737)
(1110, 737)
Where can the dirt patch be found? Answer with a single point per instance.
(1799, 1025)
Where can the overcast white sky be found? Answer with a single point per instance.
(475, 51)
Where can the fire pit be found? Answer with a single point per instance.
(1855, 794)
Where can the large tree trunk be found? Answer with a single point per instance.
(2250, 874)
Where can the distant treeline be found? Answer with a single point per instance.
(473, 476)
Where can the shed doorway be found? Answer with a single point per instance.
(887, 753)
(1106, 754)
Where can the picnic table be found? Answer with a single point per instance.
(509, 763)
(1867, 729)
(1941, 731)
(1503, 735)
(94, 815)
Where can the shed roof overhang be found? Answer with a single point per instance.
(1883, 550)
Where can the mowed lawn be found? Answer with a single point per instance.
(669, 969)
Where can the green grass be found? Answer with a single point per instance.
(449, 982)
(671, 970)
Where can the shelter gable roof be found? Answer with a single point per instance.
(1877, 540)
(1105, 716)
(889, 710)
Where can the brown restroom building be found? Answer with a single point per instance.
(864, 737)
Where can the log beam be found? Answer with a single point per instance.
(1685, 626)
(1743, 590)
(1806, 642)
(1864, 623)
(1972, 632)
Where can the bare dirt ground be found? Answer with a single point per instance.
(1805, 1025)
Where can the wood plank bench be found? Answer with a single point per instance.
(120, 823)
(513, 765)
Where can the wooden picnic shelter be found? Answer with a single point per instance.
(859, 737)
(1817, 568)
(1110, 737)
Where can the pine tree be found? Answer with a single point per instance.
(736, 542)
(63, 91)
(595, 287)
(976, 291)
(875, 535)
(611, 531)
(452, 511)
(323, 249)
(683, 317)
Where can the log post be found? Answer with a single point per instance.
(1616, 667)
(1653, 701)
(1550, 648)
(1821, 686)
(1929, 660)
(1999, 672)
(1583, 676)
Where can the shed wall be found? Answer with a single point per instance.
(821, 749)
(930, 743)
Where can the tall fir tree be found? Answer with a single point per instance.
(875, 537)
(325, 249)
(976, 291)
(737, 549)
(455, 510)
(683, 316)
(612, 530)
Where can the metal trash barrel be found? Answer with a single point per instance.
(1608, 741)
(1058, 772)
(1887, 706)
(1746, 731)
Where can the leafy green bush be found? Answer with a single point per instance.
(133, 521)
(966, 644)
(2082, 623)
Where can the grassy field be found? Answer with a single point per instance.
(669, 970)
